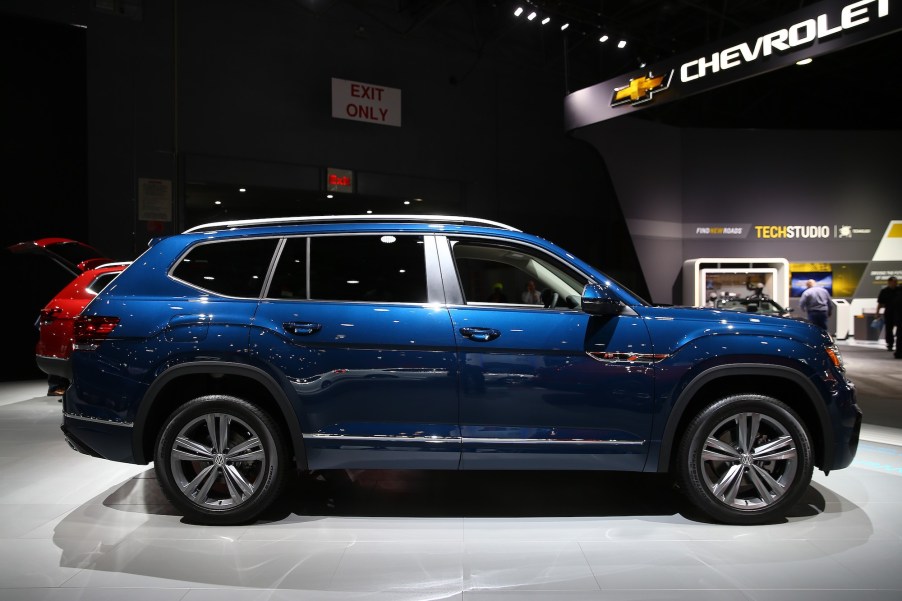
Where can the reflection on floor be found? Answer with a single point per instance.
(73, 527)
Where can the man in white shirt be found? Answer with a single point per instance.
(816, 303)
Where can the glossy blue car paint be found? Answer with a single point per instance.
(445, 384)
(377, 372)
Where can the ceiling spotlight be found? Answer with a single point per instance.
(805, 61)
(531, 15)
(546, 20)
(621, 44)
(565, 26)
(519, 11)
(604, 38)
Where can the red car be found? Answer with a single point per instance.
(74, 256)
(57, 317)
(52, 262)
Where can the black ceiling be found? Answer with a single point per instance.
(848, 89)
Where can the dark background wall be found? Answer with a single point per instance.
(206, 93)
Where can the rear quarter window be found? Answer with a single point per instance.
(230, 268)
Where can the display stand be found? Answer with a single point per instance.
(863, 329)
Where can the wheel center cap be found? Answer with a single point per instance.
(219, 460)
(746, 460)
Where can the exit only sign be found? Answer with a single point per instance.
(367, 102)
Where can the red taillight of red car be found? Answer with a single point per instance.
(93, 328)
(48, 315)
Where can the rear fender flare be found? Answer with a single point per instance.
(288, 414)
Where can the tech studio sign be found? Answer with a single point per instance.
(775, 232)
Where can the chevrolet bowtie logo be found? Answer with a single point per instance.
(641, 89)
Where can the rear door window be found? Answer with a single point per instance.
(368, 267)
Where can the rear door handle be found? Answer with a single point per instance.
(302, 328)
(480, 334)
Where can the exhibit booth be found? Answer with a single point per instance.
(730, 283)
(723, 278)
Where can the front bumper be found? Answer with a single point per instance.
(846, 445)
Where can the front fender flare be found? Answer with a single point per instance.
(668, 438)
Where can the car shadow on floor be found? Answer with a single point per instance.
(498, 494)
(456, 494)
(130, 529)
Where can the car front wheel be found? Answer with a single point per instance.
(220, 460)
(745, 459)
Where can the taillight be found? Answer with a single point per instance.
(47, 315)
(93, 328)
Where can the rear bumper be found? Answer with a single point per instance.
(99, 438)
(54, 366)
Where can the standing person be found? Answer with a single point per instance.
(885, 301)
(497, 294)
(531, 296)
(897, 312)
(816, 303)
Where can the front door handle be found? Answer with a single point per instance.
(302, 328)
(480, 334)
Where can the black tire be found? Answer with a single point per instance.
(220, 460)
(739, 482)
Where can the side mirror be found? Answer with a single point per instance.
(595, 301)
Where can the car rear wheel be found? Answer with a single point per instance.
(745, 459)
(220, 460)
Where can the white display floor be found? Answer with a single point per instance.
(73, 527)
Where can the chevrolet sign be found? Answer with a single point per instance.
(801, 34)
(641, 89)
(817, 29)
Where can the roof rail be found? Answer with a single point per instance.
(241, 223)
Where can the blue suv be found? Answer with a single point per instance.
(235, 352)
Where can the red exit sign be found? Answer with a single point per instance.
(339, 180)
